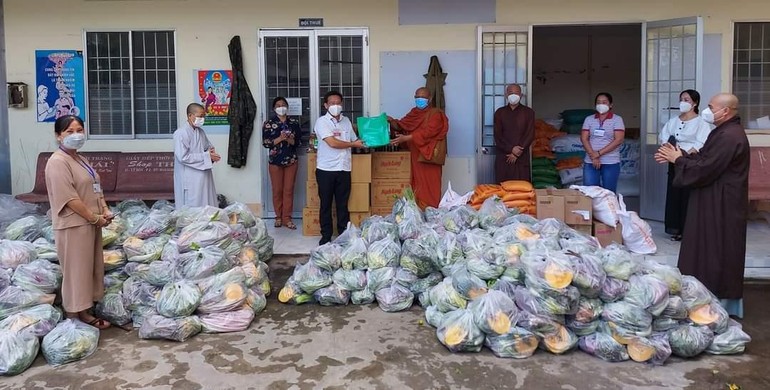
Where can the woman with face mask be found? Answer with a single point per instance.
(281, 135)
(602, 135)
(78, 212)
(688, 131)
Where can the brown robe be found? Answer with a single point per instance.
(513, 128)
(714, 244)
(78, 243)
(427, 127)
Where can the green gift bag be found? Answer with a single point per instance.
(374, 131)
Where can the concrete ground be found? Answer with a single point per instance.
(362, 347)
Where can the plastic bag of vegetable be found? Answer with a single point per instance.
(114, 259)
(38, 275)
(28, 228)
(5, 278)
(351, 280)
(618, 262)
(12, 209)
(140, 313)
(178, 299)
(576, 242)
(712, 315)
(433, 316)
(434, 215)
(14, 299)
(668, 274)
(310, 277)
(187, 215)
(45, 250)
(549, 227)
(157, 222)
(163, 205)
(494, 313)
(664, 324)
(332, 295)
(408, 216)
(675, 308)
(445, 298)
(255, 300)
(613, 290)
(144, 251)
(589, 276)
(383, 253)
(291, 293)
(504, 286)
(394, 298)
(346, 238)
(426, 283)
(492, 213)
(419, 255)
(690, 340)
(363, 297)
(128, 204)
(560, 341)
(327, 257)
(449, 252)
(221, 298)
(231, 321)
(379, 278)
(113, 309)
(175, 329)
(589, 309)
(459, 333)
(354, 255)
(157, 273)
(694, 293)
(539, 324)
(377, 228)
(255, 273)
(484, 269)
(648, 292)
(604, 347)
(460, 218)
(70, 341)
(16, 253)
(405, 277)
(469, 286)
(731, 342)
(263, 242)
(238, 237)
(475, 242)
(203, 235)
(17, 351)
(628, 316)
(139, 293)
(239, 213)
(518, 343)
(203, 263)
(39, 320)
(547, 269)
(249, 254)
(582, 328)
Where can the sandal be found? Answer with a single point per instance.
(99, 323)
(676, 238)
(291, 225)
(277, 223)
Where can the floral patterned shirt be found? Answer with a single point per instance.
(281, 154)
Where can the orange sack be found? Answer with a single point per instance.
(510, 196)
(519, 204)
(517, 186)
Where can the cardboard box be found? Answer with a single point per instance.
(391, 165)
(381, 210)
(357, 218)
(312, 160)
(359, 198)
(311, 195)
(607, 234)
(386, 191)
(570, 206)
(585, 229)
(361, 170)
(311, 222)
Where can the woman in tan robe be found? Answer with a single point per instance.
(78, 211)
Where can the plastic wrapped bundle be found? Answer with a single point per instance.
(445, 298)
(238, 238)
(113, 259)
(157, 222)
(139, 293)
(675, 308)
(419, 255)
(5, 278)
(494, 313)
(379, 278)
(258, 237)
(310, 277)
(179, 299)
(45, 250)
(377, 228)
(505, 286)
(383, 253)
(433, 316)
(28, 228)
(186, 215)
(113, 281)
(405, 277)
(475, 243)
(346, 238)
(221, 298)
(332, 295)
(484, 269)
(518, 343)
(694, 293)
(354, 255)
(16, 253)
(582, 328)
(255, 273)
(648, 292)
(459, 333)
(70, 341)
(560, 341)
(394, 298)
(291, 293)
(327, 257)
(589, 276)
(157, 273)
(690, 340)
(176, 329)
(460, 218)
(712, 315)
(670, 275)
(351, 280)
(232, 321)
(163, 205)
(468, 285)
(576, 242)
(604, 347)
(17, 351)
(363, 297)
(426, 283)
(449, 253)
(239, 213)
(234, 275)
(539, 324)
(613, 290)
(408, 216)
(589, 309)
(505, 253)
(492, 213)
(628, 316)
(662, 348)
(38, 275)
(731, 342)
(256, 300)
(248, 254)
(140, 313)
(618, 263)
(144, 251)
(434, 215)
(113, 309)
(14, 299)
(39, 320)
(204, 235)
(203, 263)
(664, 324)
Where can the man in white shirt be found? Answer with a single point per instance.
(334, 160)
(194, 157)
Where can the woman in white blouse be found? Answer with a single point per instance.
(689, 131)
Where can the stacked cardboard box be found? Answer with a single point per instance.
(570, 206)
(358, 203)
(391, 174)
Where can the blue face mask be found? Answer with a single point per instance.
(421, 103)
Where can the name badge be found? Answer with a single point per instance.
(599, 133)
(97, 188)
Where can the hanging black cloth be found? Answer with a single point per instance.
(242, 110)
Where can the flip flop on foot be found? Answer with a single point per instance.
(277, 224)
(291, 225)
(96, 322)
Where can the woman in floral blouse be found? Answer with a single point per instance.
(281, 135)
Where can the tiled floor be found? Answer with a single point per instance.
(292, 242)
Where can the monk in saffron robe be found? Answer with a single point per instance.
(514, 133)
(714, 244)
(421, 129)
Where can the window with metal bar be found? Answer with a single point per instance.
(504, 61)
(131, 84)
(751, 73)
(340, 68)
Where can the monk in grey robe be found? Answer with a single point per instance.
(194, 158)
(714, 243)
(514, 133)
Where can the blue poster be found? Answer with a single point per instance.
(60, 85)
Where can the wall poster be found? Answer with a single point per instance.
(214, 89)
(59, 84)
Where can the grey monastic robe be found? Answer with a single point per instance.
(193, 178)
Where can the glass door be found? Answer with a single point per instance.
(671, 62)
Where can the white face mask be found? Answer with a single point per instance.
(685, 107)
(514, 99)
(74, 141)
(708, 115)
(335, 109)
(198, 122)
(602, 108)
(281, 111)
